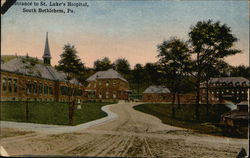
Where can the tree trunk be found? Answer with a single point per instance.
(173, 98)
(207, 98)
(197, 105)
(173, 111)
(27, 106)
(178, 99)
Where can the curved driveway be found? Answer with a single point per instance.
(132, 133)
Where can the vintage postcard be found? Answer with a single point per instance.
(124, 78)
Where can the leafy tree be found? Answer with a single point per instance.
(103, 64)
(138, 76)
(209, 42)
(174, 58)
(240, 71)
(72, 66)
(152, 74)
(122, 66)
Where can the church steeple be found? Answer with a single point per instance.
(46, 54)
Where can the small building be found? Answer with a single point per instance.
(156, 94)
(234, 89)
(107, 86)
(30, 79)
(237, 117)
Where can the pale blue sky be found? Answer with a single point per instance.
(129, 29)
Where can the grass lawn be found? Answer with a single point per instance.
(185, 117)
(50, 112)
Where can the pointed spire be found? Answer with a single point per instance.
(46, 54)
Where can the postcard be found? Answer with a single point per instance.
(122, 78)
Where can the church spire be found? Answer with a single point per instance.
(46, 54)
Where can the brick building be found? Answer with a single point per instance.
(234, 89)
(27, 78)
(157, 94)
(107, 86)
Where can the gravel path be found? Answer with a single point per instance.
(131, 134)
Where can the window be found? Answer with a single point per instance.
(94, 85)
(100, 95)
(114, 95)
(4, 84)
(107, 83)
(46, 89)
(10, 85)
(50, 90)
(35, 87)
(107, 95)
(100, 83)
(29, 87)
(15, 85)
(40, 88)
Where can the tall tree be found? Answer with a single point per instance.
(210, 41)
(240, 71)
(72, 66)
(122, 65)
(138, 76)
(174, 58)
(152, 74)
(102, 64)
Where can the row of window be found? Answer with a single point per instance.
(244, 84)
(9, 85)
(107, 84)
(68, 91)
(39, 88)
(228, 91)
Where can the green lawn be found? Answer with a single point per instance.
(185, 117)
(50, 112)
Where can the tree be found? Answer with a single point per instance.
(240, 71)
(122, 66)
(72, 66)
(137, 74)
(103, 64)
(174, 58)
(209, 42)
(152, 74)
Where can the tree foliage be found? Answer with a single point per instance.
(174, 60)
(102, 64)
(210, 42)
(70, 63)
(122, 66)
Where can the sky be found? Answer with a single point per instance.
(129, 29)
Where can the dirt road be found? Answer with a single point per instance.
(133, 133)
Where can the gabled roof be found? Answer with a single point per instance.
(109, 74)
(157, 89)
(21, 66)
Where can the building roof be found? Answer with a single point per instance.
(22, 65)
(157, 89)
(109, 74)
(227, 80)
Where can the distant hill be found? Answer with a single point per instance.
(6, 58)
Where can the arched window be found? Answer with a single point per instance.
(4, 84)
(10, 85)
